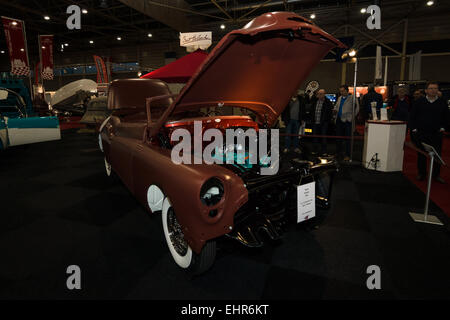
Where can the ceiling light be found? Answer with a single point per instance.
(43, 47)
(91, 42)
(150, 35)
(363, 10)
(66, 44)
(84, 11)
(14, 23)
(22, 49)
(352, 53)
(313, 16)
(119, 38)
(222, 26)
(46, 17)
(2, 52)
(430, 3)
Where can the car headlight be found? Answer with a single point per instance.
(211, 192)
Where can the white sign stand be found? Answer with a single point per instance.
(425, 217)
(374, 114)
(383, 114)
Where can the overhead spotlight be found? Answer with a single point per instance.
(43, 47)
(2, 52)
(91, 42)
(104, 4)
(22, 49)
(352, 53)
(363, 10)
(222, 26)
(119, 38)
(84, 11)
(313, 16)
(46, 17)
(430, 3)
(66, 44)
(149, 35)
(14, 23)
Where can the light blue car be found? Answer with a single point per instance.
(16, 128)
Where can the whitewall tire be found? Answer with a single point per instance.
(180, 250)
(108, 168)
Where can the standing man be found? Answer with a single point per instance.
(292, 117)
(401, 105)
(427, 123)
(417, 94)
(343, 108)
(371, 99)
(322, 113)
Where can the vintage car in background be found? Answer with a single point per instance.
(245, 82)
(73, 97)
(17, 127)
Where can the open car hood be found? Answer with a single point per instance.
(258, 67)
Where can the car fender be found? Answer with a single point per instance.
(181, 183)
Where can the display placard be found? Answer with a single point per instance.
(383, 114)
(306, 201)
(374, 114)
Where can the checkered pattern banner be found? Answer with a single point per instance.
(20, 70)
(17, 46)
(47, 75)
(46, 55)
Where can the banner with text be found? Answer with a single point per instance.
(17, 46)
(46, 55)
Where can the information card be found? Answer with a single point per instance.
(306, 201)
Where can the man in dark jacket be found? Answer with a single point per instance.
(371, 99)
(401, 106)
(427, 122)
(321, 115)
(293, 116)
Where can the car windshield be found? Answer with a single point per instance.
(11, 104)
(214, 110)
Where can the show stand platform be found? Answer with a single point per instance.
(383, 145)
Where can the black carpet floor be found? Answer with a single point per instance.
(58, 209)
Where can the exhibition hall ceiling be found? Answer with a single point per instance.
(127, 23)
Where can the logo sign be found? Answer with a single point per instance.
(196, 40)
(46, 54)
(74, 20)
(17, 46)
(374, 21)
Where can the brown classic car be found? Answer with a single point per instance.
(246, 82)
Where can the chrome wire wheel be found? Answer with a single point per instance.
(178, 246)
(176, 233)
